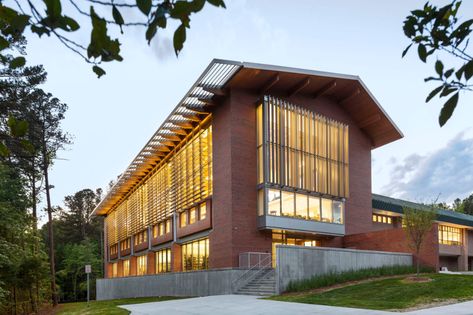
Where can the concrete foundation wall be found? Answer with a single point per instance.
(195, 283)
(299, 263)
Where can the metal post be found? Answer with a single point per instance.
(88, 270)
(88, 291)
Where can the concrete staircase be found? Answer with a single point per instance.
(264, 284)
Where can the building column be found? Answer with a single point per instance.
(120, 268)
(133, 266)
(463, 258)
(176, 258)
(234, 200)
(106, 273)
(151, 263)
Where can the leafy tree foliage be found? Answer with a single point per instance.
(465, 205)
(438, 31)
(78, 242)
(47, 17)
(459, 205)
(418, 223)
(80, 207)
(71, 272)
(30, 133)
(23, 266)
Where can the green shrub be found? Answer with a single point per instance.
(320, 281)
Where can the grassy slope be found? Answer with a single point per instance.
(104, 307)
(391, 293)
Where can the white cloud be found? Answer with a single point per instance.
(447, 172)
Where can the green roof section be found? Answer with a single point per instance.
(385, 203)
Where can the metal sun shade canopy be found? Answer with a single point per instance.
(190, 110)
(349, 91)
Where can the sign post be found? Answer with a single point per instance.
(88, 270)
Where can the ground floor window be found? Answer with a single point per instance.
(142, 265)
(126, 268)
(282, 238)
(449, 235)
(114, 270)
(163, 260)
(195, 255)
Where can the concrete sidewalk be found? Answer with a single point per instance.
(244, 304)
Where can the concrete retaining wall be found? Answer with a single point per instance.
(299, 262)
(194, 283)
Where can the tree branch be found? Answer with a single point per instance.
(108, 21)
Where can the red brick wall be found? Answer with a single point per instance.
(109, 270)
(151, 263)
(120, 268)
(176, 264)
(234, 199)
(395, 240)
(234, 176)
(133, 266)
(197, 226)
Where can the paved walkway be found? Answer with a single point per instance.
(244, 304)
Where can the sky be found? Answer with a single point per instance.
(113, 117)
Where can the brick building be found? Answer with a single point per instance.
(255, 156)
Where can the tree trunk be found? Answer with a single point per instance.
(35, 221)
(33, 191)
(417, 263)
(50, 229)
(14, 301)
(32, 301)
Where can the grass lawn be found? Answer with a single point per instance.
(104, 307)
(390, 294)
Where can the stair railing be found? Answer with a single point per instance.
(261, 266)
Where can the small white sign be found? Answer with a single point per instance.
(88, 268)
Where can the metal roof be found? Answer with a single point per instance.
(396, 205)
(194, 107)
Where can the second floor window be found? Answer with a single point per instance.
(449, 235)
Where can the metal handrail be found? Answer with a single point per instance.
(262, 265)
(245, 259)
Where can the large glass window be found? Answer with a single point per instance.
(126, 268)
(314, 208)
(449, 235)
(327, 214)
(195, 255)
(142, 265)
(114, 270)
(337, 212)
(302, 206)
(274, 202)
(163, 260)
(282, 238)
(287, 204)
(300, 149)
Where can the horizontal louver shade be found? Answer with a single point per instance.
(184, 180)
